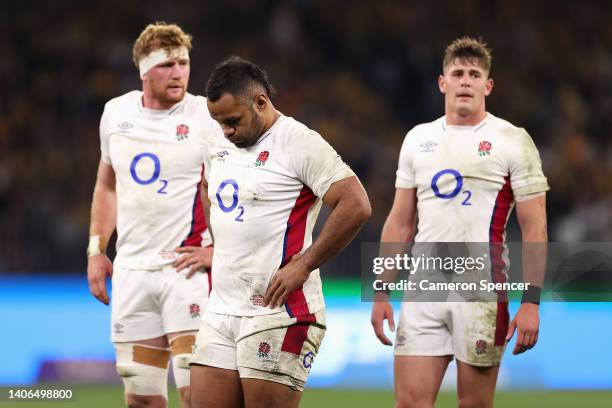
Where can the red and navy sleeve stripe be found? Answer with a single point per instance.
(293, 243)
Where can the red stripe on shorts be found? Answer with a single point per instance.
(296, 335)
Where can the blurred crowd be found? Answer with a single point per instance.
(360, 73)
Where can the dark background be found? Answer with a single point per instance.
(360, 73)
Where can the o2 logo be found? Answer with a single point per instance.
(154, 177)
(230, 183)
(456, 190)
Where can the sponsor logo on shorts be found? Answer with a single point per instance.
(118, 327)
(264, 350)
(182, 132)
(481, 347)
(194, 310)
(257, 300)
(308, 357)
(401, 340)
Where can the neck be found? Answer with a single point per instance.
(150, 102)
(456, 119)
(271, 117)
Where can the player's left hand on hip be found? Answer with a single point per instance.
(193, 257)
(289, 278)
(527, 324)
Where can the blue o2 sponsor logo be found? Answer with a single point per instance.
(143, 181)
(234, 205)
(308, 358)
(456, 190)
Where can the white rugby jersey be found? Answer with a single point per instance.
(157, 158)
(467, 177)
(264, 203)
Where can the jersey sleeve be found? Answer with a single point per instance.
(104, 130)
(318, 165)
(405, 177)
(525, 168)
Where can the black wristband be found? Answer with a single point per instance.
(387, 291)
(532, 295)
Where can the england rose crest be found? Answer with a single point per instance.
(194, 310)
(481, 347)
(264, 350)
(484, 148)
(261, 159)
(182, 132)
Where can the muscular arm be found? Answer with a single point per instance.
(104, 205)
(350, 210)
(531, 215)
(399, 227)
(103, 221)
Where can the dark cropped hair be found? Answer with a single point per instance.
(468, 49)
(236, 76)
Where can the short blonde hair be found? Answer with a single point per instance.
(468, 49)
(159, 35)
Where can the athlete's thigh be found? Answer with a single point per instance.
(135, 311)
(280, 349)
(260, 393)
(479, 331)
(418, 379)
(183, 300)
(476, 385)
(215, 387)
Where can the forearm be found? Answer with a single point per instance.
(534, 252)
(103, 215)
(345, 220)
(396, 235)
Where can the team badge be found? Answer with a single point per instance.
(484, 148)
(182, 132)
(194, 310)
(261, 159)
(481, 347)
(257, 300)
(264, 350)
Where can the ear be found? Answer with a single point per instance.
(442, 84)
(488, 87)
(260, 102)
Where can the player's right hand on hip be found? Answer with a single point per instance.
(381, 311)
(98, 268)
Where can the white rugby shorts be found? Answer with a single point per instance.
(153, 303)
(472, 332)
(275, 347)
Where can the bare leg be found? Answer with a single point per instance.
(418, 379)
(476, 385)
(268, 394)
(215, 387)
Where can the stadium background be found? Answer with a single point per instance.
(362, 74)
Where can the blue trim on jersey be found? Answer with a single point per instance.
(193, 216)
(289, 312)
(285, 245)
(491, 243)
